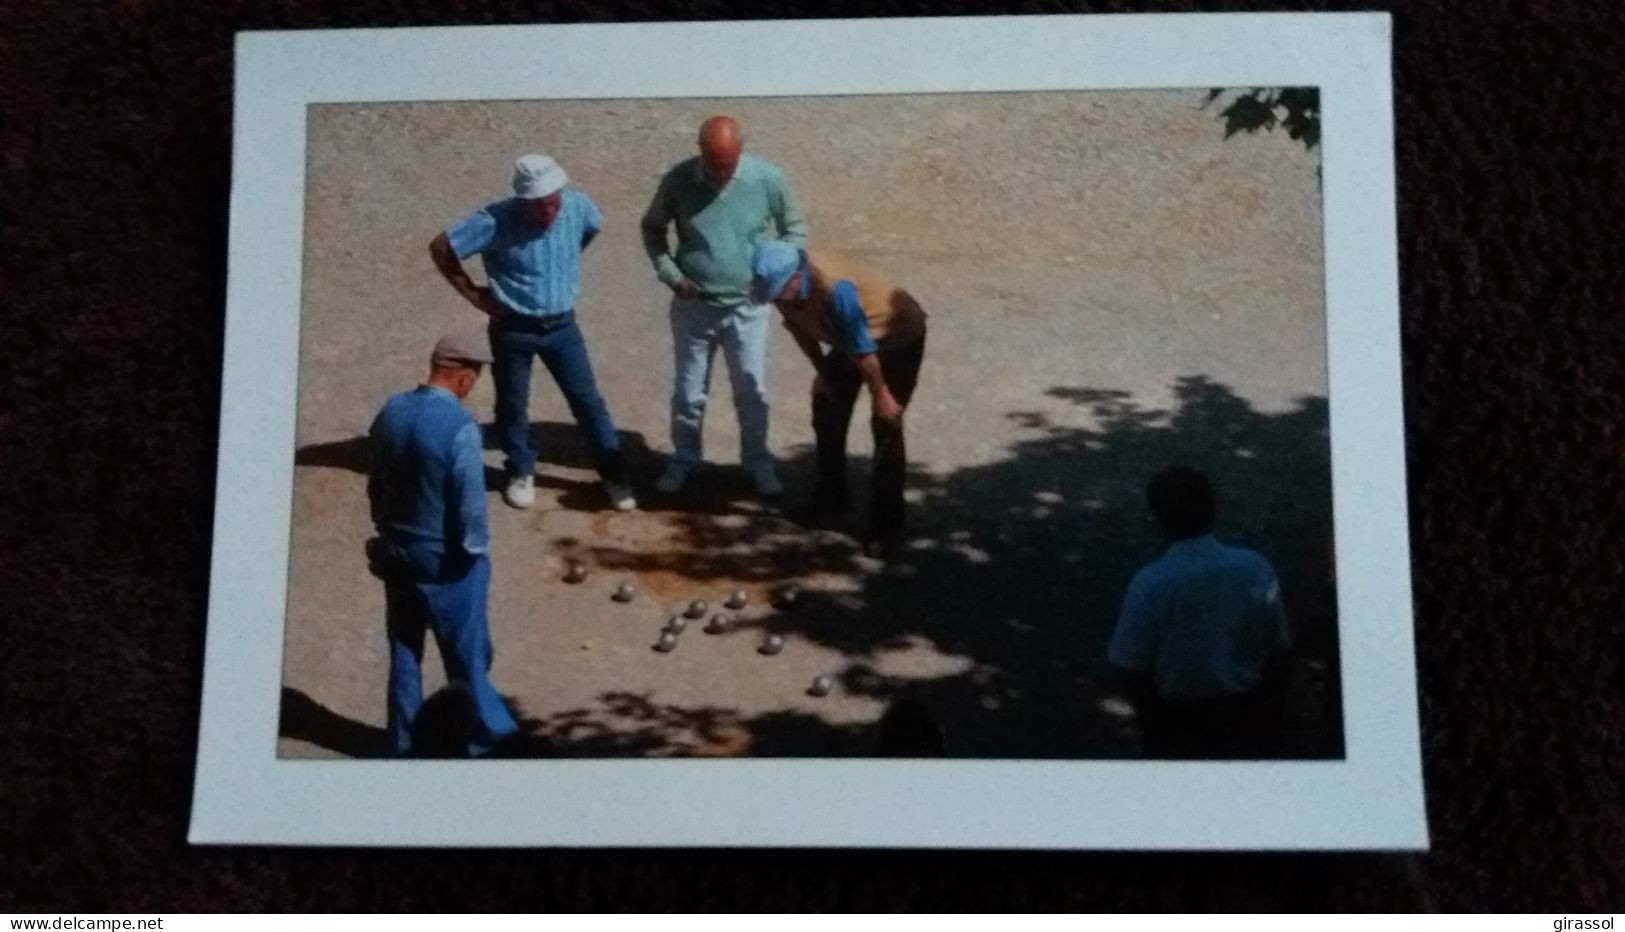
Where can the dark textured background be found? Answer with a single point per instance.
(115, 149)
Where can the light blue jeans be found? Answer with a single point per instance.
(697, 329)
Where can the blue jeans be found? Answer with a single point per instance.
(420, 595)
(515, 341)
(697, 329)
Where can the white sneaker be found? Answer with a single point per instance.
(673, 479)
(521, 492)
(766, 480)
(620, 496)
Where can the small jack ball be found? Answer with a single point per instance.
(576, 573)
(696, 609)
(821, 685)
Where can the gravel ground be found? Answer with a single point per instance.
(1113, 287)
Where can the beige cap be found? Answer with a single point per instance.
(462, 346)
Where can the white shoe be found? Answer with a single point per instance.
(766, 480)
(620, 496)
(673, 479)
(521, 492)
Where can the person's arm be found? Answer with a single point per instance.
(814, 351)
(1278, 635)
(591, 224)
(375, 476)
(852, 326)
(467, 496)
(1280, 626)
(450, 248)
(884, 404)
(1133, 645)
(787, 215)
(656, 245)
(809, 346)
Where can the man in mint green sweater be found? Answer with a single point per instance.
(721, 202)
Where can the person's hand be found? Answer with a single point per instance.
(377, 563)
(486, 303)
(684, 288)
(887, 409)
(821, 387)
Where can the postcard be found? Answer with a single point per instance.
(888, 433)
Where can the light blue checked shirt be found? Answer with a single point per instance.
(533, 273)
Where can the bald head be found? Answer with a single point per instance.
(720, 147)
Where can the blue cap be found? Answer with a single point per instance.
(772, 267)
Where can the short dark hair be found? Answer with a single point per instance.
(1181, 499)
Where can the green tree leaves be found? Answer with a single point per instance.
(1296, 110)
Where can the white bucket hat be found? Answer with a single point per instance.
(536, 176)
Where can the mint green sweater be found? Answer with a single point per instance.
(718, 230)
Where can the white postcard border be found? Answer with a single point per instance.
(1371, 800)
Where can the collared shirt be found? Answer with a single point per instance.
(1203, 620)
(531, 271)
(851, 308)
(717, 230)
(428, 479)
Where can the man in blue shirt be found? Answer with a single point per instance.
(426, 491)
(531, 247)
(1202, 634)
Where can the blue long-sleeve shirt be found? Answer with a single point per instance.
(427, 488)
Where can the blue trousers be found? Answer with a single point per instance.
(515, 341)
(454, 609)
(697, 329)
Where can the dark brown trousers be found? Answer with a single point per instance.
(832, 416)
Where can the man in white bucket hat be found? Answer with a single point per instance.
(531, 247)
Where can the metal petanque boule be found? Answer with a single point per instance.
(667, 642)
(625, 592)
(719, 624)
(737, 600)
(771, 644)
(696, 610)
(821, 685)
(576, 572)
(676, 624)
(787, 596)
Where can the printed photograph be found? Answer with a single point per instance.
(987, 426)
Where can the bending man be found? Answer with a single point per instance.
(876, 335)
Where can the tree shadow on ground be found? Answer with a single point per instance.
(557, 443)
(632, 724)
(304, 719)
(1017, 569)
